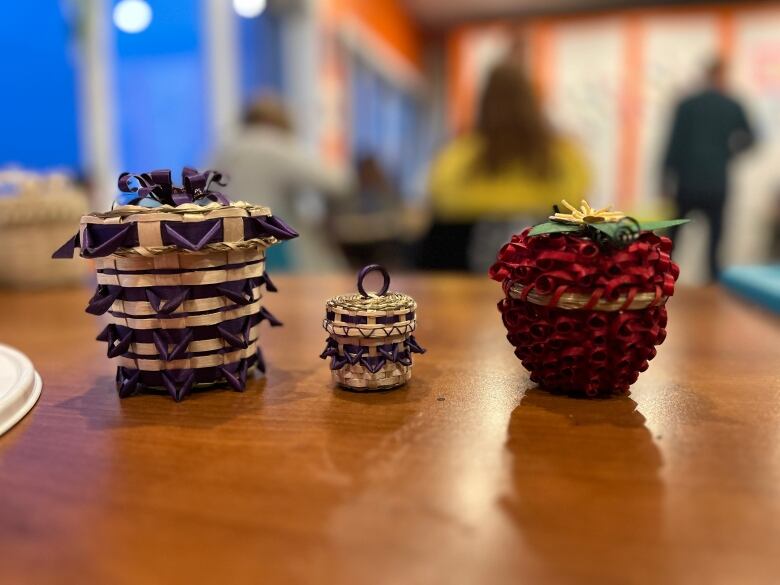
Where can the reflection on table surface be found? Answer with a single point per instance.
(467, 474)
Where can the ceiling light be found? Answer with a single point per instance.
(132, 16)
(249, 8)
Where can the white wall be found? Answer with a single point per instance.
(586, 100)
(585, 97)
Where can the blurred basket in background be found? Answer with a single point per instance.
(37, 212)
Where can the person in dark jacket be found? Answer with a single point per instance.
(710, 128)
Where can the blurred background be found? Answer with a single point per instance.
(417, 133)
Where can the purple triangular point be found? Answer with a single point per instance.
(184, 242)
(67, 249)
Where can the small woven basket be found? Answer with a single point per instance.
(182, 288)
(370, 339)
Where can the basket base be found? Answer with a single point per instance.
(359, 379)
(595, 353)
(179, 383)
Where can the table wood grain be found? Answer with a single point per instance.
(466, 475)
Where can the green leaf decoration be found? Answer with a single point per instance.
(553, 227)
(660, 225)
(609, 228)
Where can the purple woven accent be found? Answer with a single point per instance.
(118, 343)
(236, 332)
(158, 186)
(179, 270)
(191, 235)
(238, 291)
(373, 268)
(338, 362)
(166, 299)
(162, 177)
(162, 338)
(102, 242)
(126, 382)
(233, 379)
(179, 383)
(353, 357)
(262, 312)
(386, 347)
(161, 316)
(67, 249)
(181, 347)
(103, 298)
(331, 348)
(269, 285)
(413, 346)
(239, 340)
(264, 226)
(184, 354)
(260, 360)
(168, 305)
(266, 314)
(180, 198)
(235, 326)
(359, 320)
(161, 344)
(104, 239)
(283, 227)
(355, 354)
(145, 186)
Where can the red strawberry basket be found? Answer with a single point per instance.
(585, 298)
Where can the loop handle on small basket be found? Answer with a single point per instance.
(371, 268)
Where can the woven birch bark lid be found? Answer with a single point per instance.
(159, 217)
(371, 314)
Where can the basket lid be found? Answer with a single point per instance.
(162, 218)
(371, 314)
(382, 302)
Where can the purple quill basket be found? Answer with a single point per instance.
(180, 274)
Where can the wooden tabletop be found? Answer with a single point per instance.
(466, 475)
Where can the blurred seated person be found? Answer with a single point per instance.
(268, 165)
(506, 174)
(368, 226)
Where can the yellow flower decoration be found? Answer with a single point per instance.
(586, 214)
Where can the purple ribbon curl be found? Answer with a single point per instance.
(158, 186)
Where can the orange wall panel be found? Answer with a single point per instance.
(630, 111)
(388, 19)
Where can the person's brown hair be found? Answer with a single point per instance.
(267, 110)
(511, 123)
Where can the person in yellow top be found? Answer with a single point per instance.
(511, 166)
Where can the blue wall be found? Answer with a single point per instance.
(260, 56)
(386, 123)
(163, 96)
(38, 111)
(163, 85)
